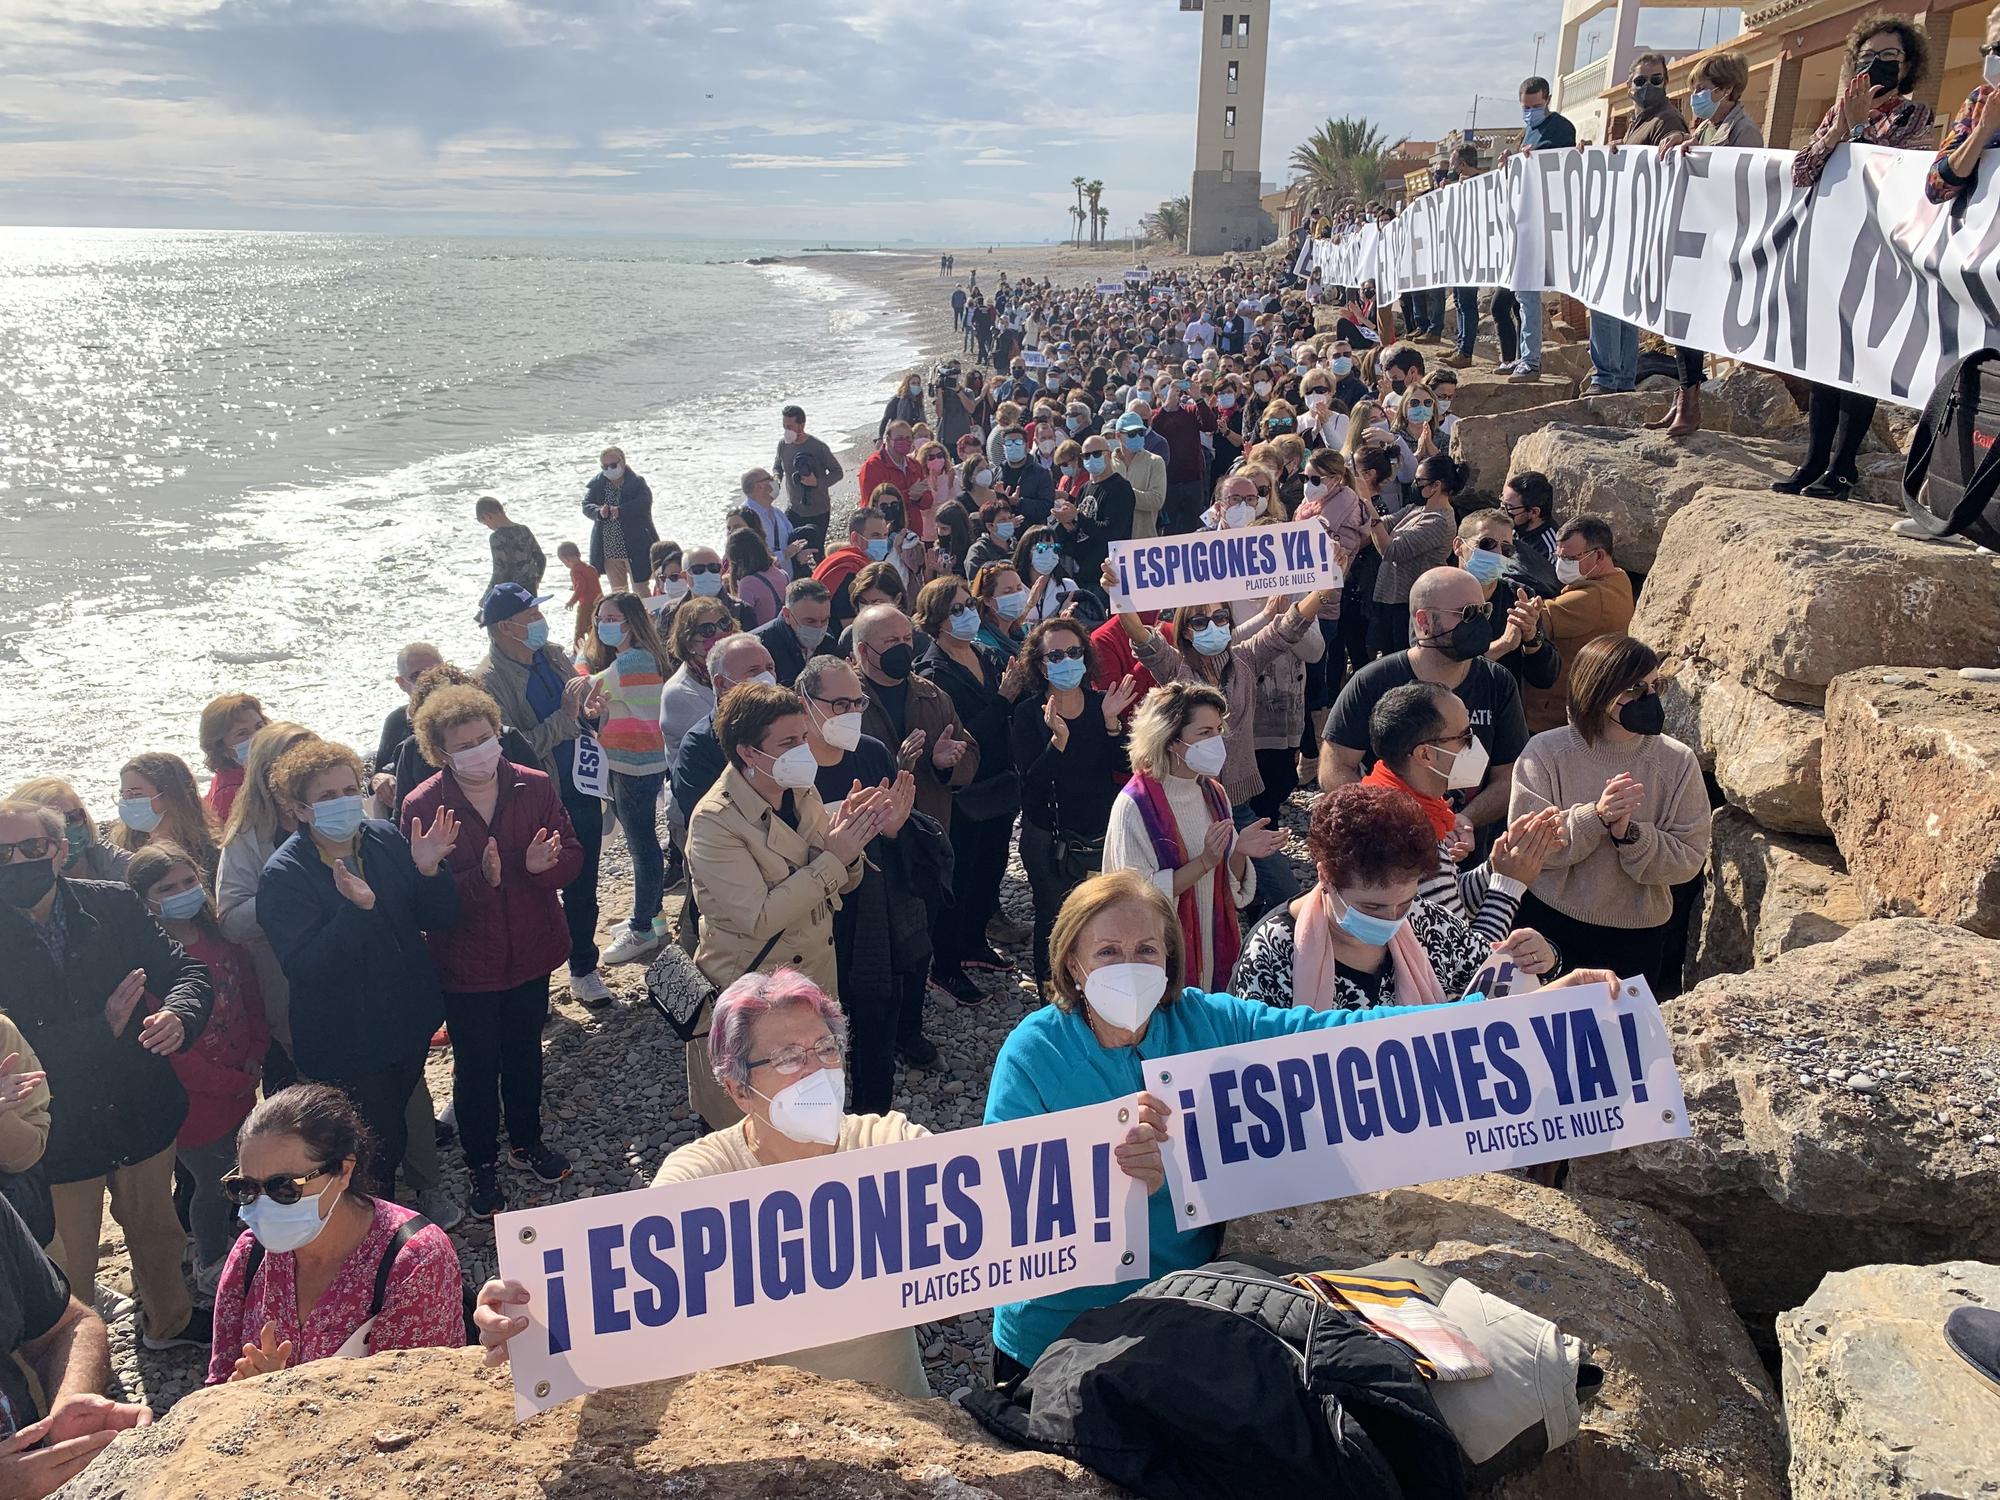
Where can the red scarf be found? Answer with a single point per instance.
(1436, 809)
(1225, 937)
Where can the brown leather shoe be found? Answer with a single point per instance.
(1666, 418)
(1688, 421)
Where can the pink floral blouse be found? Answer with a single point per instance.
(421, 1308)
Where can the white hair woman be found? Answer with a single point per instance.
(778, 1046)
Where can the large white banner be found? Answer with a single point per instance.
(1210, 567)
(1382, 1104)
(1857, 282)
(665, 1281)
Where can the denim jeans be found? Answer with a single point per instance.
(1467, 298)
(636, 801)
(1275, 880)
(1531, 329)
(1614, 352)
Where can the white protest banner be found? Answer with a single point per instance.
(1215, 567)
(1857, 282)
(665, 1281)
(1110, 288)
(588, 770)
(1437, 1094)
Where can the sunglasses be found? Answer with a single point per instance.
(1062, 653)
(30, 849)
(283, 1190)
(712, 629)
(699, 568)
(1494, 544)
(1220, 617)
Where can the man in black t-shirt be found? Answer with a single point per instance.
(64, 1343)
(1450, 625)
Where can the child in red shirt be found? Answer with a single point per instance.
(586, 591)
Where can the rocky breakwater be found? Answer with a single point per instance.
(1912, 771)
(433, 1425)
(1846, 1107)
(1767, 894)
(1760, 600)
(1877, 1402)
(1685, 1412)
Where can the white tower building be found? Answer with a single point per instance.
(1223, 211)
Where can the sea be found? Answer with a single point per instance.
(247, 462)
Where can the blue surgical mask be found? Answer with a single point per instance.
(1070, 471)
(1093, 464)
(1342, 365)
(336, 819)
(1212, 640)
(877, 548)
(1065, 674)
(965, 623)
(1134, 441)
(182, 905)
(1702, 102)
(1043, 559)
(1375, 931)
(1533, 115)
(1015, 450)
(137, 814)
(1012, 606)
(1484, 566)
(1419, 414)
(1074, 424)
(611, 632)
(538, 635)
(241, 753)
(281, 1227)
(1227, 400)
(1004, 530)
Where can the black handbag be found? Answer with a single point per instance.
(680, 992)
(1953, 471)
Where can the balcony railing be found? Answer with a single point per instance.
(1583, 83)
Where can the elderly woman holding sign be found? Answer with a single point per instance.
(1116, 962)
(778, 1046)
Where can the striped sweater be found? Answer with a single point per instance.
(631, 737)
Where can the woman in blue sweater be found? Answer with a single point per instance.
(1115, 974)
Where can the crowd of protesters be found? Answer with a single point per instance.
(837, 732)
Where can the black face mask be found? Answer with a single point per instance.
(894, 663)
(1647, 715)
(24, 883)
(1469, 638)
(1647, 95)
(1885, 74)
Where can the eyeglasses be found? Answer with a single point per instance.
(1494, 544)
(1196, 622)
(1240, 497)
(843, 705)
(1992, 49)
(711, 629)
(283, 1190)
(30, 849)
(789, 1060)
(1062, 653)
(1887, 54)
(699, 568)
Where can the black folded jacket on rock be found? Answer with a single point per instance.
(1225, 1381)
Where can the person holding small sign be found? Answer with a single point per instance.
(778, 1049)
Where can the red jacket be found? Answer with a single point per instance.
(840, 565)
(880, 468)
(513, 932)
(1116, 659)
(222, 1069)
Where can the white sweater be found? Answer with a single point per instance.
(1128, 847)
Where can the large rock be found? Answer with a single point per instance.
(1877, 1402)
(432, 1425)
(1685, 1412)
(1784, 593)
(1913, 792)
(1768, 893)
(1844, 1099)
(1481, 392)
(1764, 754)
(1750, 402)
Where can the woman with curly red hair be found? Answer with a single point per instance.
(1361, 937)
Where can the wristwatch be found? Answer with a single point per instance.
(1631, 836)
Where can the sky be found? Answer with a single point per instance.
(936, 121)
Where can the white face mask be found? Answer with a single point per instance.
(1991, 72)
(1468, 768)
(1568, 571)
(1125, 995)
(764, 679)
(842, 731)
(614, 472)
(1205, 757)
(796, 768)
(810, 1110)
(1239, 514)
(674, 590)
(477, 763)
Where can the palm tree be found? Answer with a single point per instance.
(1103, 216)
(1169, 222)
(1077, 212)
(1341, 159)
(1094, 190)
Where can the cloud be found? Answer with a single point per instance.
(760, 162)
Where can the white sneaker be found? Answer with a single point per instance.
(1507, 367)
(1909, 526)
(438, 1205)
(208, 1278)
(630, 947)
(589, 989)
(112, 1304)
(448, 1116)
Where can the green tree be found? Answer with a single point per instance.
(1169, 222)
(1342, 159)
(1094, 190)
(1077, 213)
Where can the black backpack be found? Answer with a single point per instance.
(403, 1235)
(1953, 471)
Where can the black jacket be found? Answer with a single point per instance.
(995, 789)
(1104, 516)
(635, 519)
(111, 1102)
(1225, 1381)
(364, 995)
(788, 656)
(698, 765)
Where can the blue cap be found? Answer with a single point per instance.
(505, 600)
(1131, 422)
